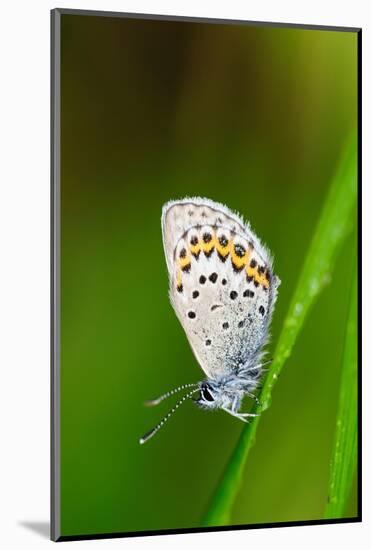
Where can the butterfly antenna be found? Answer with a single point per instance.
(153, 402)
(152, 432)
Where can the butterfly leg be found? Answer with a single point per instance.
(248, 414)
(234, 404)
(235, 414)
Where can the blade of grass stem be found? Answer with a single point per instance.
(336, 220)
(344, 459)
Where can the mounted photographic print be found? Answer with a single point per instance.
(205, 280)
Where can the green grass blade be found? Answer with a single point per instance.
(336, 220)
(344, 460)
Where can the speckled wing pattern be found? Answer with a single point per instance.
(222, 284)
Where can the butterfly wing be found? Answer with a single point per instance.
(222, 284)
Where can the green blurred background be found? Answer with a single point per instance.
(254, 117)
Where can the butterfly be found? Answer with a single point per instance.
(223, 290)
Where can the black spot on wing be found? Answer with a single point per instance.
(239, 250)
(223, 241)
(213, 277)
(249, 293)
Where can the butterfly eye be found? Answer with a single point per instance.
(206, 394)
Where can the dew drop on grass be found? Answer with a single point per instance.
(314, 286)
(298, 309)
